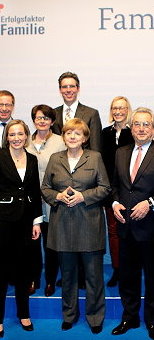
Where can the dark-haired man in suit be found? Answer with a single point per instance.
(133, 195)
(69, 87)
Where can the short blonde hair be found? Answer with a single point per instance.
(76, 123)
(5, 142)
(129, 112)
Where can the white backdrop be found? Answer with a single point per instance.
(109, 62)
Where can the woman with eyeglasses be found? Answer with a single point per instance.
(114, 136)
(43, 143)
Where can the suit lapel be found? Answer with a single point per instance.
(11, 168)
(147, 159)
(59, 116)
(64, 160)
(29, 167)
(80, 111)
(82, 160)
(125, 163)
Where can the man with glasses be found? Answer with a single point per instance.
(133, 205)
(69, 87)
(7, 102)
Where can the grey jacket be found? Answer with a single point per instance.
(82, 227)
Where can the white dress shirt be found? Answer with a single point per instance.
(72, 112)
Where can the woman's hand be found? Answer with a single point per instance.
(70, 197)
(63, 196)
(75, 198)
(36, 231)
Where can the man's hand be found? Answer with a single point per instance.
(140, 210)
(116, 209)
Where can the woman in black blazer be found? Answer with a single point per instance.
(114, 136)
(20, 217)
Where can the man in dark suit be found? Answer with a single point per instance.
(7, 102)
(69, 86)
(133, 195)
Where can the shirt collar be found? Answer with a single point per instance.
(73, 107)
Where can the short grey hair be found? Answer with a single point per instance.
(142, 110)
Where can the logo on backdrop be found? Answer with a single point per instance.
(1, 6)
(21, 25)
(118, 21)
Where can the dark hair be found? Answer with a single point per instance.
(7, 93)
(46, 110)
(69, 75)
(15, 122)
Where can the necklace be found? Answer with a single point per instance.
(19, 158)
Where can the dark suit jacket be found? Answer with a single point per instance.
(92, 119)
(129, 194)
(82, 227)
(19, 200)
(109, 146)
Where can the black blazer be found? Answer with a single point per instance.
(91, 118)
(109, 146)
(129, 194)
(17, 198)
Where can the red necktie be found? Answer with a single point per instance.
(136, 164)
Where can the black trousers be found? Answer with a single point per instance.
(22, 298)
(95, 300)
(51, 258)
(135, 256)
(14, 269)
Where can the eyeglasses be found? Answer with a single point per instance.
(42, 118)
(143, 124)
(120, 108)
(68, 86)
(6, 105)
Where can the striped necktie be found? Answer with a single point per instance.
(67, 115)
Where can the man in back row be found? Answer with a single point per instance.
(7, 102)
(69, 87)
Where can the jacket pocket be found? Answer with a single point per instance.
(4, 200)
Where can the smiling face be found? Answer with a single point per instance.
(42, 122)
(142, 128)
(6, 108)
(74, 139)
(16, 137)
(69, 90)
(119, 111)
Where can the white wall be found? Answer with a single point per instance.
(109, 62)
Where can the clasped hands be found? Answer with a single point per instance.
(139, 211)
(70, 197)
